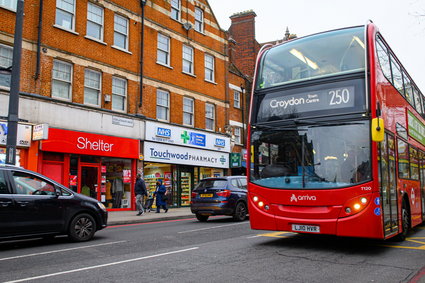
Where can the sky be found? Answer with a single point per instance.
(401, 22)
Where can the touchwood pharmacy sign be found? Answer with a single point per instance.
(157, 152)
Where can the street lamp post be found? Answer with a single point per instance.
(13, 117)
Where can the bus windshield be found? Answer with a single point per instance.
(332, 53)
(314, 156)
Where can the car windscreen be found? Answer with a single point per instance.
(211, 184)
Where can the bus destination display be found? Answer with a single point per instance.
(277, 106)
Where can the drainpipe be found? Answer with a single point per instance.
(40, 22)
(142, 47)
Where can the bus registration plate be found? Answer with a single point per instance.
(305, 228)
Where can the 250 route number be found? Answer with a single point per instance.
(339, 96)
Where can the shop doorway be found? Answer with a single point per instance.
(186, 185)
(90, 177)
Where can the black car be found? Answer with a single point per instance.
(220, 196)
(32, 205)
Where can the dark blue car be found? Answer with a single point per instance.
(220, 196)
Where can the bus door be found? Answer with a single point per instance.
(388, 184)
(422, 176)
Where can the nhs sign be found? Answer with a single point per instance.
(163, 132)
(220, 142)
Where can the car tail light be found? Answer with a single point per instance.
(194, 194)
(225, 193)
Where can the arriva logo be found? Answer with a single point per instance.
(306, 197)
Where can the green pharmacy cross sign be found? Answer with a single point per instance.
(185, 137)
(235, 160)
(416, 128)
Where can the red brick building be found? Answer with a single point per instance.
(89, 74)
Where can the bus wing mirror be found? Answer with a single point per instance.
(378, 129)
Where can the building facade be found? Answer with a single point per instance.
(97, 77)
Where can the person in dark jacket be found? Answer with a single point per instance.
(141, 192)
(159, 193)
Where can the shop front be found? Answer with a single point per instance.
(23, 142)
(99, 166)
(181, 157)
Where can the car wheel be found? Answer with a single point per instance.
(405, 223)
(240, 212)
(202, 218)
(82, 228)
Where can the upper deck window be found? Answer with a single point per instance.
(325, 54)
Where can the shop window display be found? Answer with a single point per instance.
(116, 182)
(211, 172)
(164, 172)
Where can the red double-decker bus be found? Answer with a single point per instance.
(336, 138)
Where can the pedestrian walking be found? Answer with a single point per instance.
(160, 193)
(141, 192)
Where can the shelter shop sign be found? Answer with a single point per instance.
(157, 152)
(157, 132)
(90, 144)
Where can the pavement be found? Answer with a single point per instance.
(130, 217)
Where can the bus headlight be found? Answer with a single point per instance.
(260, 203)
(354, 205)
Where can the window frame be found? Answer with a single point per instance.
(122, 96)
(93, 22)
(199, 21)
(125, 35)
(69, 98)
(237, 132)
(9, 50)
(66, 12)
(12, 6)
(175, 9)
(210, 118)
(186, 112)
(99, 90)
(185, 60)
(236, 99)
(161, 106)
(207, 68)
(164, 51)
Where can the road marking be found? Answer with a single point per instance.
(58, 251)
(101, 265)
(416, 240)
(276, 234)
(252, 237)
(214, 227)
(146, 223)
